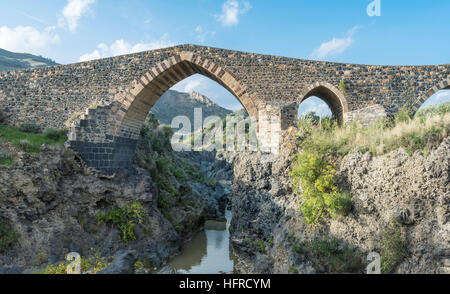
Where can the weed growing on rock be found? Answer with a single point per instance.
(125, 218)
(92, 264)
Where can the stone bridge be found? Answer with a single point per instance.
(108, 99)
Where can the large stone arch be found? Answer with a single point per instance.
(106, 136)
(443, 85)
(331, 95)
(144, 92)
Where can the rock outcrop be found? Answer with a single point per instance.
(413, 191)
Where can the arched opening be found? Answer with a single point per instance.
(438, 98)
(316, 106)
(436, 95)
(326, 99)
(194, 92)
(146, 90)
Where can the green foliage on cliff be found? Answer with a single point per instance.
(320, 197)
(8, 236)
(125, 218)
(392, 247)
(93, 264)
(330, 255)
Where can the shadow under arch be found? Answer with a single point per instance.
(330, 95)
(443, 85)
(138, 100)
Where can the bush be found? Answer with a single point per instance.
(25, 145)
(5, 158)
(392, 247)
(55, 134)
(30, 128)
(404, 114)
(125, 218)
(320, 196)
(8, 237)
(343, 87)
(330, 254)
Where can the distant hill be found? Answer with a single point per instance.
(14, 61)
(174, 103)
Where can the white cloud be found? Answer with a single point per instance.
(231, 10)
(27, 39)
(121, 47)
(335, 46)
(73, 11)
(202, 34)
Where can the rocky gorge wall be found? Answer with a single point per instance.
(269, 235)
(51, 204)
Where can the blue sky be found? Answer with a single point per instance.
(406, 32)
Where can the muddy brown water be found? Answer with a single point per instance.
(209, 250)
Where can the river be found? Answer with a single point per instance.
(209, 250)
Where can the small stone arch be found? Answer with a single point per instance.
(143, 93)
(444, 85)
(329, 94)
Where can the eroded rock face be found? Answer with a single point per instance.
(52, 204)
(414, 190)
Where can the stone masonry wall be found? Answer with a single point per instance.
(51, 95)
(106, 101)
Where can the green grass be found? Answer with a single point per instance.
(34, 141)
(422, 132)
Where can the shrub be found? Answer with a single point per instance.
(25, 145)
(330, 254)
(55, 134)
(125, 218)
(8, 236)
(208, 181)
(392, 247)
(342, 87)
(30, 128)
(320, 196)
(178, 173)
(5, 158)
(404, 114)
